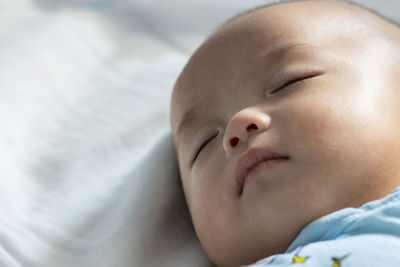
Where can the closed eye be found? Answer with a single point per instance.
(202, 146)
(293, 82)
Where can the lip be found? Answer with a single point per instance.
(248, 161)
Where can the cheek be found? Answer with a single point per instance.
(336, 122)
(210, 198)
(208, 215)
(214, 205)
(344, 143)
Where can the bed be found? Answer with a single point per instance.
(87, 166)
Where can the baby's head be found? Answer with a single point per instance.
(314, 82)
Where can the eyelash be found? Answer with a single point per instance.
(202, 146)
(292, 82)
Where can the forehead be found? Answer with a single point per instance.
(253, 36)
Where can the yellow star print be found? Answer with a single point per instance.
(297, 259)
(337, 261)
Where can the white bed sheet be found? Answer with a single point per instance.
(87, 169)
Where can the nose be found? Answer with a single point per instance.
(243, 124)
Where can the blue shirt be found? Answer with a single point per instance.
(350, 237)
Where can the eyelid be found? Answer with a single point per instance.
(298, 78)
(201, 147)
(289, 83)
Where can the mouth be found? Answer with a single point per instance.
(253, 160)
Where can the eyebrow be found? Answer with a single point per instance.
(279, 51)
(272, 54)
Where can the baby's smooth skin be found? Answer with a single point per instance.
(335, 117)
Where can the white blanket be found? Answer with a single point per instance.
(88, 175)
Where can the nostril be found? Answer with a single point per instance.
(234, 141)
(251, 127)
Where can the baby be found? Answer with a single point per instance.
(286, 124)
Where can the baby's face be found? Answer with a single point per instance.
(335, 119)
